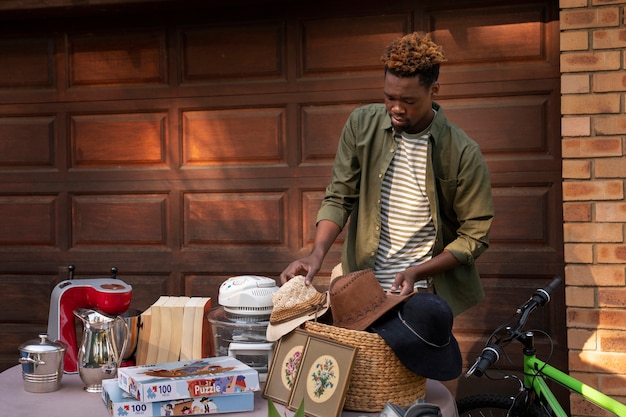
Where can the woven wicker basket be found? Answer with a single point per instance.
(378, 376)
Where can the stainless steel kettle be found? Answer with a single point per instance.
(99, 356)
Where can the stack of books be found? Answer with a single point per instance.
(207, 386)
(174, 328)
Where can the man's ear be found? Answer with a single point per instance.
(434, 89)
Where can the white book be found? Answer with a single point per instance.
(186, 340)
(176, 327)
(165, 333)
(153, 330)
(202, 338)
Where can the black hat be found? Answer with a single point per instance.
(419, 331)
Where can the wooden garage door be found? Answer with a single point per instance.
(186, 142)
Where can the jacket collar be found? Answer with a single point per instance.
(435, 128)
(438, 123)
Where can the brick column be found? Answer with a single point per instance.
(593, 124)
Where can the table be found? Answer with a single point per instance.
(72, 401)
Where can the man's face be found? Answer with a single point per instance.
(409, 104)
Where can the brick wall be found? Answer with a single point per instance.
(593, 123)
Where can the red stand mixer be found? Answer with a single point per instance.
(108, 295)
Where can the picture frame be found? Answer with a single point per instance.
(323, 378)
(283, 370)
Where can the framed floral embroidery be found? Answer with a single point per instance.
(283, 370)
(323, 378)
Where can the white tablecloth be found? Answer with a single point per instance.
(72, 401)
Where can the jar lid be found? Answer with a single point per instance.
(42, 345)
(220, 315)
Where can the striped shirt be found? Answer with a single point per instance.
(407, 231)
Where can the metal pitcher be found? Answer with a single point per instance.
(98, 355)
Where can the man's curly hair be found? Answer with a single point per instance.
(414, 55)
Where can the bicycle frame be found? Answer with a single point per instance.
(536, 372)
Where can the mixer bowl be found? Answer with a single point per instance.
(132, 317)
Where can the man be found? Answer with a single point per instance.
(415, 187)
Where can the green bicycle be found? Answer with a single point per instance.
(534, 398)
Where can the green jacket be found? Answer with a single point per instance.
(458, 188)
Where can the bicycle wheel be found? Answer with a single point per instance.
(484, 405)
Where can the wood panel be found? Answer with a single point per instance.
(251, 218)
(482, 35)
(119, 220)
(117, 59)
(28, 220)
(27, 142)
(321, 125)
(232, 55)
(512, 37)
(223, 137)
(118, 140)
(26, 62)
(187, 142)
(338, 45)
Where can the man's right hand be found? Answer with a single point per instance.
(325, 234)
(308, 266)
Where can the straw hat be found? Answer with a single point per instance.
(357, 300)
(294, 303)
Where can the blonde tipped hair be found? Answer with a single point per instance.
(414, 55)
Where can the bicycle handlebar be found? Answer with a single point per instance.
(488, 357)
(491, 352)
(541, 296)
